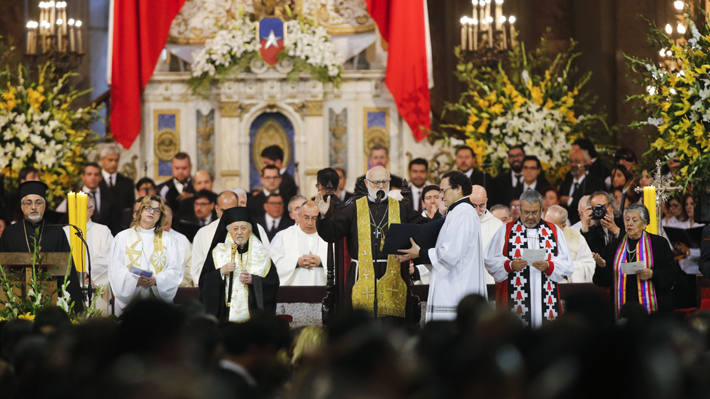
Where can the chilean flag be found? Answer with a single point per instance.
(271, 37)
(404, 24)
(139, 31)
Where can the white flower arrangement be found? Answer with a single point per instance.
(237, 44)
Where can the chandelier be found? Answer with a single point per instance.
(487, 35)
(55, 37)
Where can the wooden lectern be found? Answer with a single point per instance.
(54, 263)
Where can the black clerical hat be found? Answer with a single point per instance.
(33, 187)
(237, 214)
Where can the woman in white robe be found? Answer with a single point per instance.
(145, 247)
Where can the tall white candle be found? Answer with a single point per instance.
(474, 26)
(505, 36)
(463, 33)
(52, 15)
(79, 47)
(512, 31)
(499, 13)
(72, 44)
(490, 32)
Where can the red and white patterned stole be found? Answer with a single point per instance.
(518, 300)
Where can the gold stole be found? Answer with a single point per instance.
(134, 249)
(391, 288)
(256, 261)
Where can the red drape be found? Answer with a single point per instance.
(402, 25)
(140, 31)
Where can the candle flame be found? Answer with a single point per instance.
(512, 19)
(681, 29)
(678, 5)
(78, 24)
(669, 29)
(70, 22)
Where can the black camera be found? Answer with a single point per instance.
(598, 211)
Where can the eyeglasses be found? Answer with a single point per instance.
(379, 183)
(275, 203)
(150, 209)
(308, 218)
(530, 168)
(444, 190)
(271, 177)
(36, 203)
(146, 189)
(202, 203)
(531, 214)
(516, 156)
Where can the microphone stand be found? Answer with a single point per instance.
(88, 257)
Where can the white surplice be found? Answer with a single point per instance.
(124, 284)
(185, 255)
(289, 245)
(489, 225)
(584, 264)
(456, 263)
(201, 245)
(563, 267)
(99, 238)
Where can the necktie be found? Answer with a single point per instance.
(576, 186)
(273, 225)
(418, 201)
(110, 181)
(519, 179)
(96, 203)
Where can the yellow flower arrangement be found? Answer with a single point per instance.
(532, 101)
(677, 102)
(40, 128)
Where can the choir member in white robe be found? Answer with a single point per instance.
(584, 264)
(203, 239)
(98, 237)
(529, 290)
(299, 252)
(456, 261)
(145, 246)
(489, 223)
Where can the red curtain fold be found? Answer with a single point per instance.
(402, 25)
(140, 32)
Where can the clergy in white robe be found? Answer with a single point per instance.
(203, 238)
(582, 258)
(456, 261)
(299, 253)
(529, 290)
(184, 246)
(489, 223)
(147, 247)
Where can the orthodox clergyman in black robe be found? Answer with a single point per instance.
(20, 237)
(238, 277)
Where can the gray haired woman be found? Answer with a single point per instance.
(638, 267)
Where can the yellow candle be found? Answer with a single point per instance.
(81, 223)
(649, 199)
(71, 208)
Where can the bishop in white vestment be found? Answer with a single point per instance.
(489, 223)
(456, 261)
(299, 253)
(147, 247)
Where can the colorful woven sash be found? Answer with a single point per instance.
(646, 291)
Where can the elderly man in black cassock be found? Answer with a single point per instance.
(238, 278)
(20, 237)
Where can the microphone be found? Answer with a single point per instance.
(80, 234)
(380, 196)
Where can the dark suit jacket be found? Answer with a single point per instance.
(284, 223)
(704, 262)
(540, 187)
(595, 236)
(189, 225)
(237, 386)
(122, 195)
(481, 178)
(504, 184)
(181, 209)
(590, 184)
(107, 214)
(287, 188)
(396, 181)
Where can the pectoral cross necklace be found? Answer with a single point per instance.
(379, 228)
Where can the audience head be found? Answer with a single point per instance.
(530, 208)
(342, 177)
(418, 172)
(516, 154)
(146, 186)
(255, 343)
(549, 198)
(182, 168)
(557, 215)
(273, 155)
(168, 218)
(606, 199)
(110, 157)
(376, 179)
(294, 207)
(454, 186)
(151, 213)
(465, 158)
(689, 206)
(578, 160)
(587, 146)
(204, 180)
(270, 178)
(675, 208)
(226, 199)
(204, 203)
(531, 169)
(431, 195)
(379, 155)
(91, 175)
(241, 195)
(620, 176)
(308, 217)
(274, 205)
(636, 218)
(514, 209)
(501, 212)
(28, 173)
(325, 176)
(626, 157)
(479, 199)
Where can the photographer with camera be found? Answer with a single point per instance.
(601, 221)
